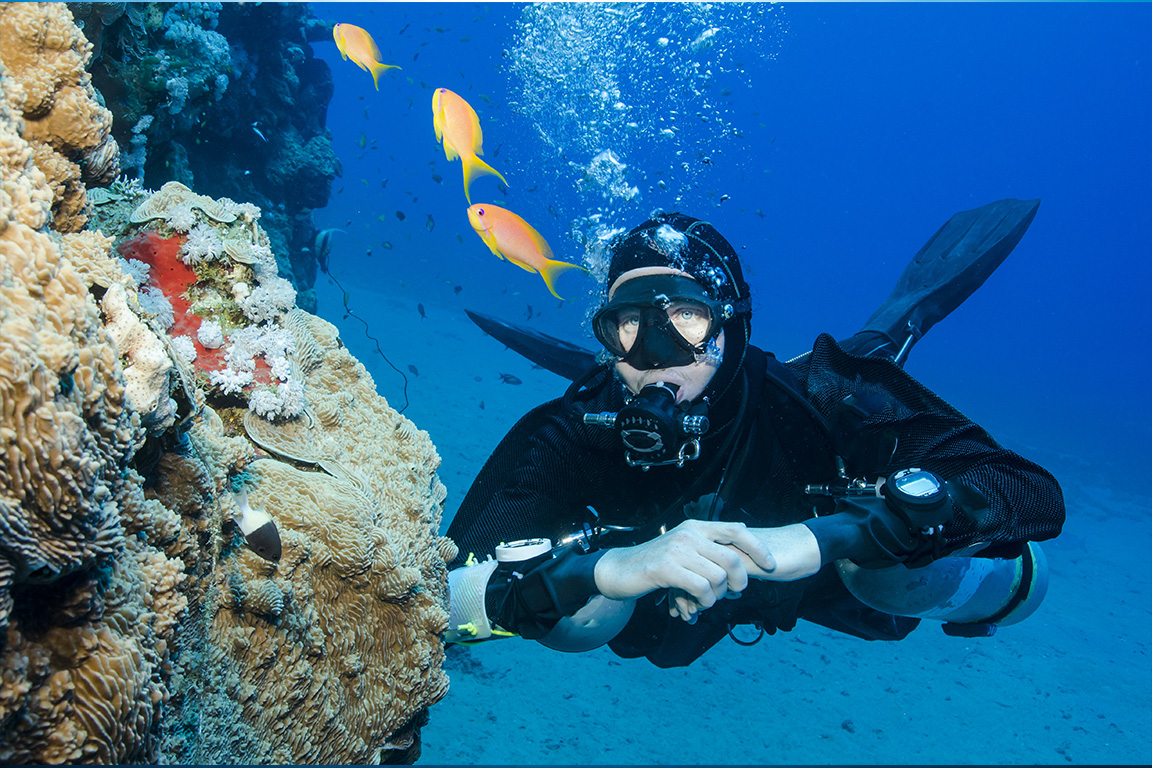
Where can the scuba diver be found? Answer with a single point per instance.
(689, 482)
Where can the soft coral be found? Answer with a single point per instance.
(173, 277)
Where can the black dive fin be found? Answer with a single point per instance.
(556, 355)
(948, 269)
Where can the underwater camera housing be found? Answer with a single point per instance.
(654, 430)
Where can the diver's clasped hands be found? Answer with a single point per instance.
(698, 560)
(701, 562)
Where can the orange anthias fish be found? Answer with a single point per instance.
(510, 237)
(356, 44)
(458, 127)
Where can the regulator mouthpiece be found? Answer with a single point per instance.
(654, 430)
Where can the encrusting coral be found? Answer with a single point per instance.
(135, 623)
(44, 55)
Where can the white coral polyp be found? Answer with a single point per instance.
(287, 400)
(185, 348)
(230, 381)
(269, 300)
(181, 218)
(280, 366)
(211, 335)
(202, 245)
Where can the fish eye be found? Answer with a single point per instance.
(480, 212)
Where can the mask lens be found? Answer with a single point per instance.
(691, 320)
(627, 324)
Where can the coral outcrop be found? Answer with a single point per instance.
(136, 625)
(228, 99)
(44, 55)
(334, 653)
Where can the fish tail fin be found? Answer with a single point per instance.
(553, 269)
(474, 168)
(378, 69)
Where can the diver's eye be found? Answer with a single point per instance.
(629, 319)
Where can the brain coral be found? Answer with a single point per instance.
(44, 55)
(334, 653)
(87, 612)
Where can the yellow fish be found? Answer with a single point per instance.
(356, 44)
(510, 237)
(458, 128)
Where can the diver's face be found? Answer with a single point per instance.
(691, 379)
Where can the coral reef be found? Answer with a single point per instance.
(338, 645)
(44, 55)
(228, 99)
(86, 609)
(136, 625)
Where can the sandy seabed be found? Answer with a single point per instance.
(1071, 684)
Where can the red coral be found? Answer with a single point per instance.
(173, 277)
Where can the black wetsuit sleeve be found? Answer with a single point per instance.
(532, 600)
(537, 484)
(998, 497)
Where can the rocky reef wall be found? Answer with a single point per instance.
(160, 389)
(228, 99)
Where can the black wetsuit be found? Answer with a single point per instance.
(780, 429)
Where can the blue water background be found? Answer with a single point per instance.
(843, 136)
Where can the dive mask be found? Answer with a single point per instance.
(660, 321)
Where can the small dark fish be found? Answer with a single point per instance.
(431, 224)
(383, 183)
(415, 372)
(481, 405)
(400, 215)
(386, 245)
(529, 311)
(508, 378)
(420, 309)
(362, 141)
(404, 28)
(478, 378)
(457, 288)
(460, 237)
(437, 178)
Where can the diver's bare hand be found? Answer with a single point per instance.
(793, 548)
(701, 561)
